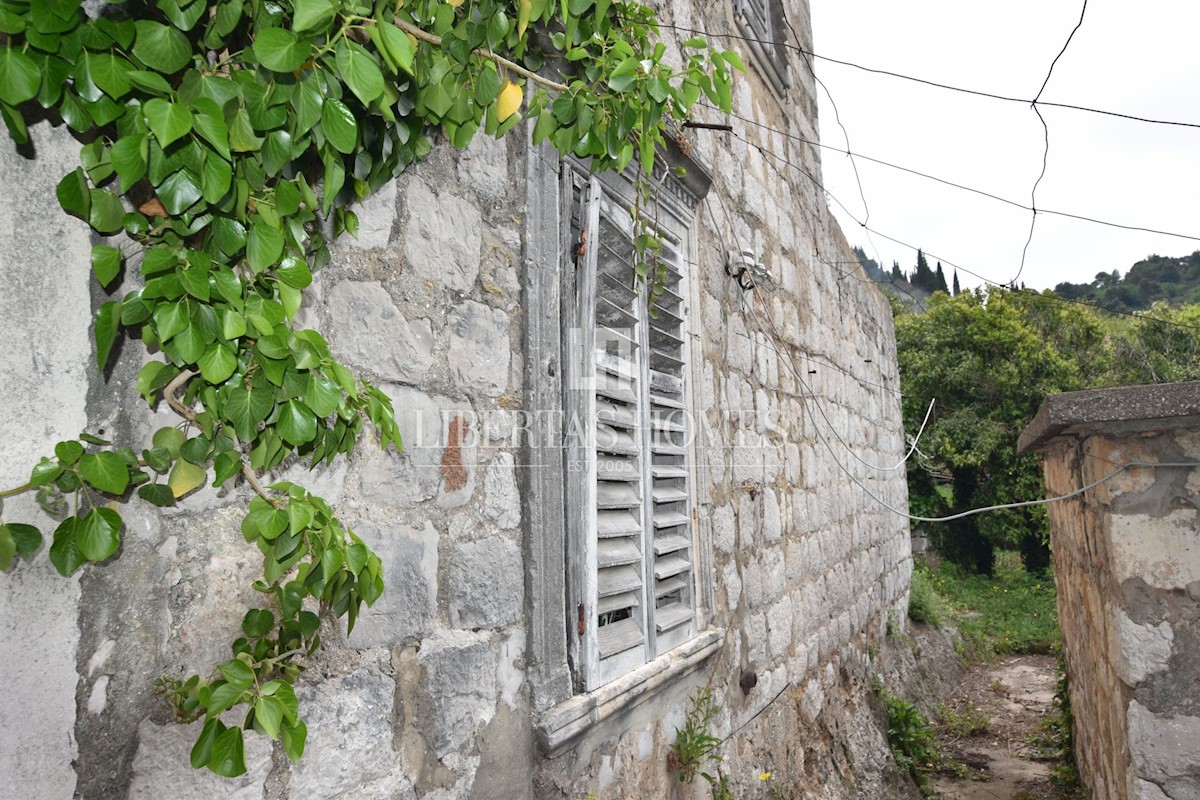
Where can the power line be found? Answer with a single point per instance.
(934, 84)
(1046, 147)
(971, 512)
(953, 184)
(877, 232)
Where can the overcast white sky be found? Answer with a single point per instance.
(1136, 58)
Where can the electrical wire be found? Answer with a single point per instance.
(974, 511)
(1046, 147)
(983, 278)
(953, 184)
(934, 84)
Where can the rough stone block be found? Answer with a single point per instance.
(349, 720)
(460, 683)
(1144, 649)
(484, 166)
(408, 608)
(443, 238)
(479, 352)
(440, 443)
(161, 767)
(376, 218)
(487, 584)
(373, 334)
(502, 499)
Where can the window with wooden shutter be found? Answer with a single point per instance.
(631, 445)
(762, 22)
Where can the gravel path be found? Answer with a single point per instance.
(990, 728)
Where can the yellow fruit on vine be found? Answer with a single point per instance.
(509, 100)
(455, 3)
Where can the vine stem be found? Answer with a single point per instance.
(252, 479)
(25, 487)
(173, 387)
(433, 38)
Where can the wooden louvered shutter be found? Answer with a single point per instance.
(674, 607)
(618, 444)
(762, 21)
(639, 594)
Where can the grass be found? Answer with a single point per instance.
(1012, 613)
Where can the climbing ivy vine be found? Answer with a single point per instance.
(226, 142)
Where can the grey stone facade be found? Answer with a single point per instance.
(456, 684)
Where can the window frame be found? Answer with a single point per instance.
(564, 710)
(594, 201)
(762, 22)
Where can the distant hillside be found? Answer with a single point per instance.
(1175, 280)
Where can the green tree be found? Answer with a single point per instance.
(989, 358)
(939, 280)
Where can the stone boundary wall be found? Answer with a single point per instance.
(1127, 565)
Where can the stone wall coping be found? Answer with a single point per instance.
(1122, 409)
(565, 722)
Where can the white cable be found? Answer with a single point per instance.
(971, 512)
(774, 347)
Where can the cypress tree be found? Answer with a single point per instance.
(957, 290)
(940, 280)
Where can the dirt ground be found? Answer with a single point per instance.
(988, 731)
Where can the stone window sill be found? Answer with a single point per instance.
(565, 722)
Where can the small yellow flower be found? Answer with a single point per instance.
(766, 776)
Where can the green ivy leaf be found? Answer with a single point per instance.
(105, 471)
(74, 194)
(238, 673)
(19, 76)
(64, 552)
(228, 758)
(98, 534)
(110, 73)
(297, 424)
(44, 472)
(188, 346)
(246, 407)
(157, 494)
(170, 439)
(217, 363)
(394, 45)
(268, 715)
(263, 247)
(311, 14)
(339, 125)
(258, 622)
(202, 749)
(106, 263)
(161, 47)
(279, 50)
(179, 191)
(26, 538)
(108, 325)
(107, 215)
(68, 452)
(167, 121)
(359, 70)
(225, 466)
(170, 319)
(223, 696)
(8, 551)
(322, 396)
(128, 158)
(294, 737)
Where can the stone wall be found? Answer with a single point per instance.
(1127, 565)
(442, 689)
